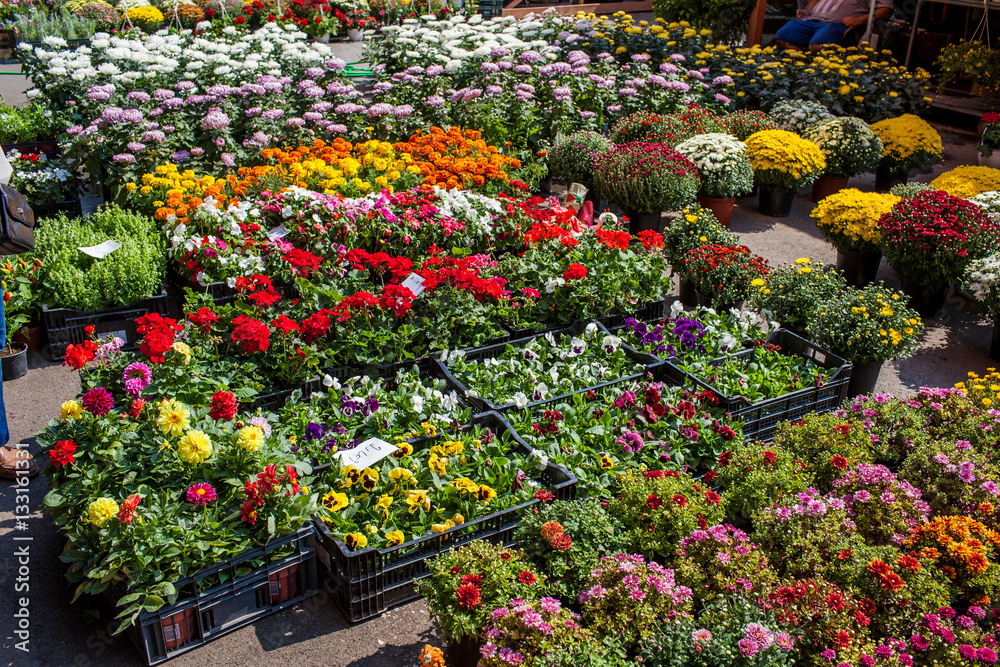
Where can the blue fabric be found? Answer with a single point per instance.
(4, 431)
(802, 33)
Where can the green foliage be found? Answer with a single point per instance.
(791, 293)
(572, 157)
(27, 123)
(757, 475)
(593, 532)
(71, 279)
(37, 25)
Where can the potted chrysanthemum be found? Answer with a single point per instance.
(725, 170)
(850, 221)
(981, 283)
(645, 180)
(850, 148)
(782, 162)
(573, 158)
(908, 142)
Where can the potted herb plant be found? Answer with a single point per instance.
(867, 327)
(17, 287)
(723, 274)
(725, 170)
(782, 162)
(981, 282)
(694, 227)
(850, 221)
(850, 148)
(908, 142)
(930, 239)
(645, 180)
(989, 140)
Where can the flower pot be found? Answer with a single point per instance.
(462, 654)
(995, 343)
(687, 292)
(711, 302)
(30, 336)
(721, 207)
(927, 302)
(355, 35)
(826, 186)
(323, 39)
(14, 361)
(885, 179)
(179, 629)
(776, 203)
(859, 268)
(545, 185)
(640, 222)
(992, 161)
(863, 378)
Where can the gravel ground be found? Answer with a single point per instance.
(315, 632)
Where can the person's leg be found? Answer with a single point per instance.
(4, 431)
(828, 33)
(796, 34)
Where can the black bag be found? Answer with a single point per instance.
(17, 222)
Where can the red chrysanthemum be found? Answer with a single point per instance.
(526, 577)
(468, 596)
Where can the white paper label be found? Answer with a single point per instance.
(415, 284)
(171, 632)
(278, 232)
(366, 454)
(275, 589)
(101, 250)
(114, 334)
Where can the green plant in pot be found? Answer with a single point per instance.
(850, 148)
(782, 162)
(850, 221)
(867, 327)
(725, 170)
(693, 228)
(723, 274)
(930, 239)
(981, 283)
(573, 157)
(645, 180)
(790, 294)
(18, 288)
(989, 138)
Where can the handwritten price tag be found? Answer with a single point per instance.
(368, 453)
(415, 284)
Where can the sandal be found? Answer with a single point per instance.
(10, 457)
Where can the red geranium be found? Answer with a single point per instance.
(575, 272)
(285, 324)
(158, 335)
(303, 262)
(204, 318)
(78, 356)
(258, 290)
(316, 326)
(250, 334)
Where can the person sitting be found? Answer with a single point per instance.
(826, 21)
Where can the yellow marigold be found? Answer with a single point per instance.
(968, 181)
(101, 510)
(194, 447)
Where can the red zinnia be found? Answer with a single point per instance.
(62, 453)
(224, 406)
(126, 511)
(468, 596)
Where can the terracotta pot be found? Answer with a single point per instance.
(33, 337)
(885, 179)
(721, 207)
(179, 629)
(824, 186)
(863, 378)
(776, 203)
(859, 268)
(927, 302)
(284, 584)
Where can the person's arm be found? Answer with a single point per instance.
(881, 14)
(805, 12)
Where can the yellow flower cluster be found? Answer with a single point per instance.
(784, 159)
(853, 214)
(146, 18)
(907, 141)
(967, 181)
(101, 511)
(985, 390)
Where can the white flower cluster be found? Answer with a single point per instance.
(722, 163)
(982, 278)
(989, 202)
(231, 58)
(798, 115)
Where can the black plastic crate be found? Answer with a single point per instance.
(761, 419)
(72, 209)
(64, 326)
(483, 404)
(199, 617)
(649, 312)
(366, 583)
(50, 147)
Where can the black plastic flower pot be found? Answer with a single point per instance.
(14, 361)
(776, 202)
(859, 268)
(864, 376)
(641, 222)
(927, 302)
(885, 179)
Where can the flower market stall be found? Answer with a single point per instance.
(339, 342)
